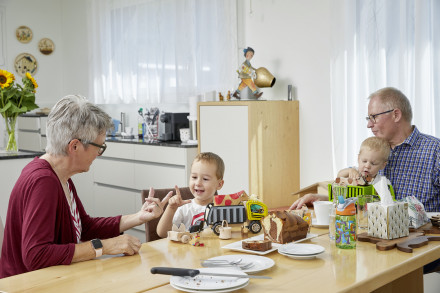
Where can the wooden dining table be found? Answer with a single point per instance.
(364, 269)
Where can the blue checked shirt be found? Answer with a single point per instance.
(414, 169)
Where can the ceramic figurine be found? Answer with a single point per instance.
(247, 74)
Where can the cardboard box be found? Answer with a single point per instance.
(388, 222)
(318, 188)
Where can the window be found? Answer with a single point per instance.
(161, 51)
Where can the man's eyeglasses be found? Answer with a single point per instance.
(372, 117)
(102, 147)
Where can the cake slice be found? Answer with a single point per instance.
(284, 227)
(258, 245)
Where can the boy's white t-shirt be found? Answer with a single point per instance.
(189, 214)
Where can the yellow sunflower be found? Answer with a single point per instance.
(29, 76)
(6, 78)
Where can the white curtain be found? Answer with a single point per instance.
(380, 43)
(161, 51)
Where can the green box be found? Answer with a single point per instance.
(354, 191)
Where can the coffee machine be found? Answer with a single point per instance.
(170, 124)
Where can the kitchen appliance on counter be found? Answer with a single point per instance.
(170, 124)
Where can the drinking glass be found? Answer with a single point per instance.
(362, 211)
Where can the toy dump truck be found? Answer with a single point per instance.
(249, 212)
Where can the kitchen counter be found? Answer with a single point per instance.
(4, 155)
(173, 144)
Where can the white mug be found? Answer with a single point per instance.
(322, 212)
(184, 134)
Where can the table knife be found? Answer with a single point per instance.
(192, 273)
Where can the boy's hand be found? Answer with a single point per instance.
(353, 173)
(176, 201)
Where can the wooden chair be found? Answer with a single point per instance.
(150, 227)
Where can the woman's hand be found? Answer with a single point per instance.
(307, 199)
(153, 207)
(177, 201)
(125, 244)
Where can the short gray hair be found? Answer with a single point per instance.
(393, 98)
(73, 117)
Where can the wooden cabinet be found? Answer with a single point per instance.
(259, 143)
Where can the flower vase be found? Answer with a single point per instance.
(11, 145)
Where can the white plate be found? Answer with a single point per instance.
(218, 291)
(238, 247)
(301, 249)
(260, 263)
(210, 283)
(300, 256)
(317, 225)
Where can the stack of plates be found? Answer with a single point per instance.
(201, 283)
(300, 250)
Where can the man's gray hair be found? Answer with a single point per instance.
(393, 98)
(74, 117)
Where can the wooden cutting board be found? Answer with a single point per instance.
(385, 244)
(407, 246)
(428, 229)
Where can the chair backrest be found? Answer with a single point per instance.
(150, 227)
(1, 235)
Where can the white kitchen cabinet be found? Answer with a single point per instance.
(31, 132)
(10, 170)
(259, 143)
(127, 168)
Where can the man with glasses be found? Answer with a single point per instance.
(414, 162)
(47, 223)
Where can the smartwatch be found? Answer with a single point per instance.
(97, 246)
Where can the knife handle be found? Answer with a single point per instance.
(174, 271)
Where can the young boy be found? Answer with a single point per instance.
(373, 157)
(206, 178)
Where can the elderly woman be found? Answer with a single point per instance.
(47, 224)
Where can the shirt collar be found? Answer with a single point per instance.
(413, 137)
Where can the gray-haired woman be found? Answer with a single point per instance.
(47, 224)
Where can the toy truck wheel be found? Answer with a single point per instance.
(255, 226)
(216, 228)
(185, 239)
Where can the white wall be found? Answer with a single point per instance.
(290, 37)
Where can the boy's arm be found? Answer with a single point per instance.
(349, 173)
(166, 222)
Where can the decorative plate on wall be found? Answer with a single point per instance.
(23, 34)
(46, 46)
(25, 62)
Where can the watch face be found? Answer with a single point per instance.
(96, 244)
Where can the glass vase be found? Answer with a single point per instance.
(11, 145)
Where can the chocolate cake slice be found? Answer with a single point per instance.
(284, 227)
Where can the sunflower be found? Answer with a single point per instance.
(29, 76)
(6, 78)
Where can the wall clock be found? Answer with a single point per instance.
(25, 62)
(23, 34)
(46, 46)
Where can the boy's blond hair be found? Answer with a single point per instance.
(377, 144)
(213, 159)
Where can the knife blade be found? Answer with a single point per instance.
(192, 273)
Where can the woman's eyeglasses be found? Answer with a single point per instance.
(102, 147)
